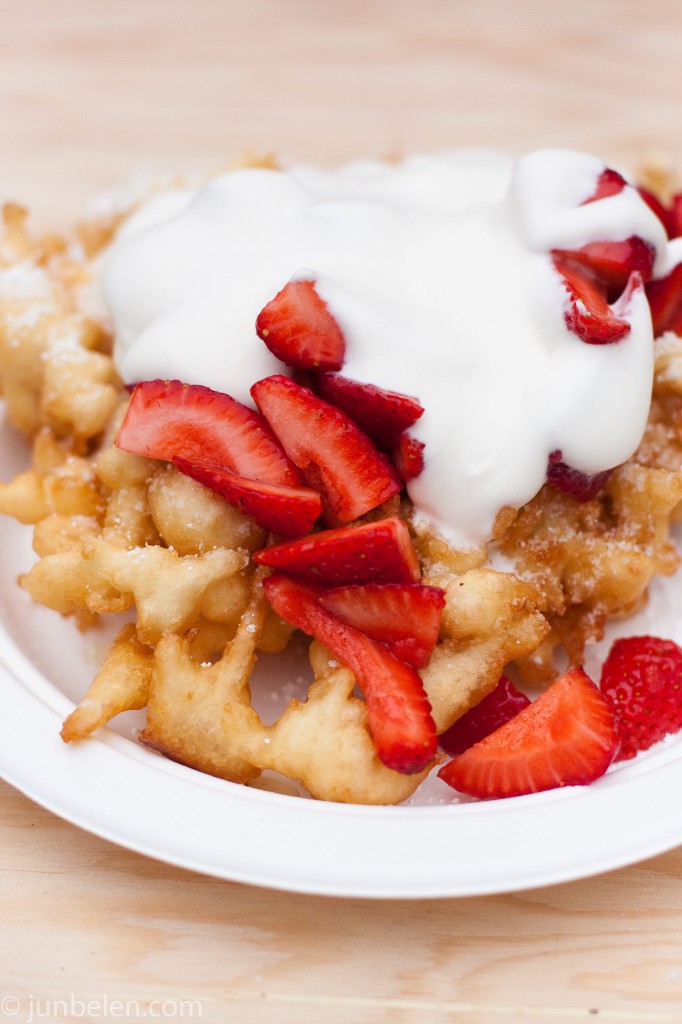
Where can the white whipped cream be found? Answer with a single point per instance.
(438, 272)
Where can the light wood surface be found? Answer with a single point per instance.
(90, 94)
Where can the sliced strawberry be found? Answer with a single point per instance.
(583, 486)
(499, 707)
(298, 328)
(398, 711)
(669, 216)
(289, 511)
(609, 183)
(383, 415)
(335, 457)
(642, 680)
(566, 737)
(380, 552)
(408, 456)
(676, 216)
(168, 420)
(665, 300)
(404, 616)
(663, 213)
(589, 315)
(610, 263)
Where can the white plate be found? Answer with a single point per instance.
(432, 847)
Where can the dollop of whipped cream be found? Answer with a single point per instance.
(438, 271)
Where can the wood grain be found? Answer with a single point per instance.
(81, 916)
(92, 93)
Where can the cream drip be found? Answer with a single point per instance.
(438, 272)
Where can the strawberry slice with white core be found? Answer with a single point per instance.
(298, 328)
(589, 314)
(380, 552)
(334, 456)
(404, 616)
(398, 710)
(383, 415)
(168, 420)
(567, 737)
(288, 511)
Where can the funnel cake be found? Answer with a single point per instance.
(510, 484)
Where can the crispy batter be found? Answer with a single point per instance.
(186, 717)
(193, 520)
(169, 591)
(122, 684)
(490, 619)
(324, 743)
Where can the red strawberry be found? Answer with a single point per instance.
(404, 616)
(566, 737)
(298, 328)
(408, 456)
(642, 679)
(383, 415)
(289, 511)
(499, 707)
(335, 457)
(665, 300)
(676, 216)
(589, 314)
(583, 486)
(609, 183)
(381, 552)
(610, 263)
(168, 420)
(664, 215)
(398, 711)
(669, 216)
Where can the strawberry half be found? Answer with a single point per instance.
(298, 328)
(589, 314)
(404, 616)
(665, 300)
(583, 486)
(566, 737)
(642, 680)
(334, 456)
(289, 511)
(383, 415)
(499, 707)
(398, 710)
(380, 552)
(169, 420)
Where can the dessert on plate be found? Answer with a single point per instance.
(421, 421)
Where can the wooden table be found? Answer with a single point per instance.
(91, 92)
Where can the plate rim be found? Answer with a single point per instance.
(348, 848)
